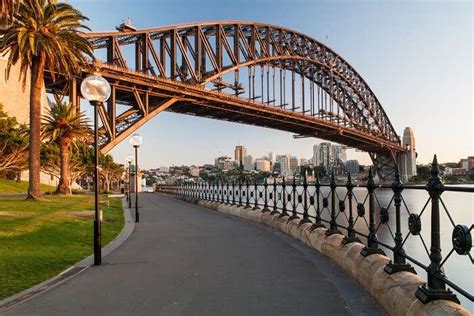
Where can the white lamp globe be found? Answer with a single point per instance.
(95, 88)
(136, 140)
(129, 159)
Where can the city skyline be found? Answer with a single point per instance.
(386, 52)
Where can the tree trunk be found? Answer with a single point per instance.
(63, 186)
(34, 165)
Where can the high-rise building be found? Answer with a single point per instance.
(239, 153)
(249, 163)
(262, 164)
(330, 156)
(271, 157)
(352, 166)
(223, 163)
(284, 161)
(294, 164)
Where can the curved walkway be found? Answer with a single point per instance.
(185, 260)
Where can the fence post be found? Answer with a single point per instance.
(351, 236)
(305, 201)
(275, 203)
(372, 246)
(255, 196)
(247, 201)
(240, 193)
(227, 192)
(284, 211)
(435, 289)
(233, 192)
(294, 214)
(399, 262)
(318, 204)
(333, 223)
(265, 197)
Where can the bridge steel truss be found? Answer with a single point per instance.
(197, 69)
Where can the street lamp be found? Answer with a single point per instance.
(96, 90)
(129, 193)
(136, 141)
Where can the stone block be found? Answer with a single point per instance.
(269, 219)
(437, 308)
(352, 258)
(281, 223)
(254, 216)
(367, 267)
(316, 238)
(395, 292)
(332, 247)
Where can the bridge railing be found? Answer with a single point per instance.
(362, 213)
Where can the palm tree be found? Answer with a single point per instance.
(8, 9)
(65, 126)
(43, 35)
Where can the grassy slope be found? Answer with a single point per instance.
(11, 186)
(40, 239)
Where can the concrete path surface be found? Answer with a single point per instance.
(185, 260)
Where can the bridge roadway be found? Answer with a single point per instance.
(185, 260)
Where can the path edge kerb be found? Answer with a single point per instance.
(74, 270)
(394, 293)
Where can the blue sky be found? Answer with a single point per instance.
(416, 57)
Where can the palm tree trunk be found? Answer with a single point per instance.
(63, 187)
(37, 81)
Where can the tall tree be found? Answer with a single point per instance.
(63, 125)
(13, 144)
(43, 36)
(8, 9)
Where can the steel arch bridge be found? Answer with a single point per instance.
(245, 72)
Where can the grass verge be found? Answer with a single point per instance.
(40, 239)
(12, 187)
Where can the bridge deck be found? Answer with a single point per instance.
(184, 260)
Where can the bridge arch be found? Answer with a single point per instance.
(185, 69)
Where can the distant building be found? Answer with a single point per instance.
(467, 164)
(271, 157)
(304, 162)
(284, 161)
(239, 153)
(262, 165)
(249, 163)
(276, 167)
(294, 164)
(330, 156)
(194, 171)
(223, 163)
(352, 166)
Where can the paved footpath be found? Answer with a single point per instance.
(185, 260)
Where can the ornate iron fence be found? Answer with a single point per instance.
(337, 208)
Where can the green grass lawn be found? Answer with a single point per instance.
(40, 239)
(11, 186)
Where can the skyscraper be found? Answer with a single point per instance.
(284, 161)
(331, 156)
(262, 165)
(239, 153)
(248, 163)
(294, 164)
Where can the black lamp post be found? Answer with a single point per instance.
(136, 141)
(96, 90)
(129, 189)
